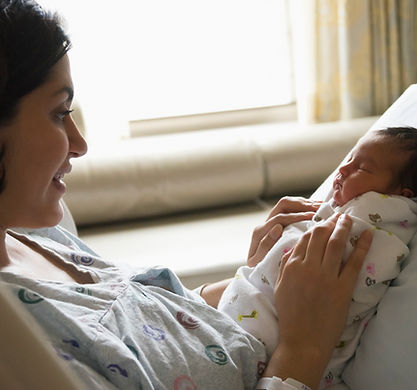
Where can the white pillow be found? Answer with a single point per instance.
(387, 355)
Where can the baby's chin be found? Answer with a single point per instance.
(337, 199)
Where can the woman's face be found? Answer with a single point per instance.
(39, 143)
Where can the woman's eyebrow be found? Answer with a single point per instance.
(67, 90)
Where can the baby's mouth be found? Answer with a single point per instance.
(337, 185)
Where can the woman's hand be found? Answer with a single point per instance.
(288, 210)
(312, 297)
(285, 212)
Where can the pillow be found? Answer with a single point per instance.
(387, 355)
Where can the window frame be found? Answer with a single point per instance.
(213, 120)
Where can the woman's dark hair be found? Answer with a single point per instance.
(406, 139)
(32, 41)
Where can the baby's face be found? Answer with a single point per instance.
(372, 166)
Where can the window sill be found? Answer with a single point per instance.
(216, 120)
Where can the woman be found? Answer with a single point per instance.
(129, 328)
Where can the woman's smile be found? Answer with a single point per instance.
(58, 179)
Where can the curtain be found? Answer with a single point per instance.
(352, 58)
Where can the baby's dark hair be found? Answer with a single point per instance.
(405, 138)
(32, 41)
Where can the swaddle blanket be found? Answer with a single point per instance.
(249, 298)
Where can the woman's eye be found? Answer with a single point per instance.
(61, 115)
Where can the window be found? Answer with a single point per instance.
(145, 59)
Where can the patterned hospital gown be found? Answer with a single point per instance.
(136, 329)
(249, 298)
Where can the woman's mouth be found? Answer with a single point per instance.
(58, 180)
(58, 177)
(59, 184)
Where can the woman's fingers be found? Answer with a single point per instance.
(300, 249)
(336, 245)
(324, 246)
(266, 235)
(355, 261)
(292, 204)
(258, 234)
(288, 219)
(264, 245)
(284, 260)
(288, 210)
(321, 234)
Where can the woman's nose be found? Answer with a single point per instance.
(77, 144)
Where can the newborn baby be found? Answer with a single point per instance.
(374, 187)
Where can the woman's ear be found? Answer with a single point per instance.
(407, 192)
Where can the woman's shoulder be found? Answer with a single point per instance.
(56, 234)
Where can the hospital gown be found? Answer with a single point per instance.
(249, 298)
(135, 329)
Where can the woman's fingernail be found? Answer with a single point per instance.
(344, 217)
(276, 232)
(368, 235)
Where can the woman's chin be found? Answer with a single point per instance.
(54, 218)
(49, 218)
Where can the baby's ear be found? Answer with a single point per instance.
(407, 193)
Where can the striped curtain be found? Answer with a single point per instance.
(352, 58)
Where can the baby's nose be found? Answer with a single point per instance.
(344, 170)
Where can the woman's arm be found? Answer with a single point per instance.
(288, 210)
(312, 297)
(211, 292)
